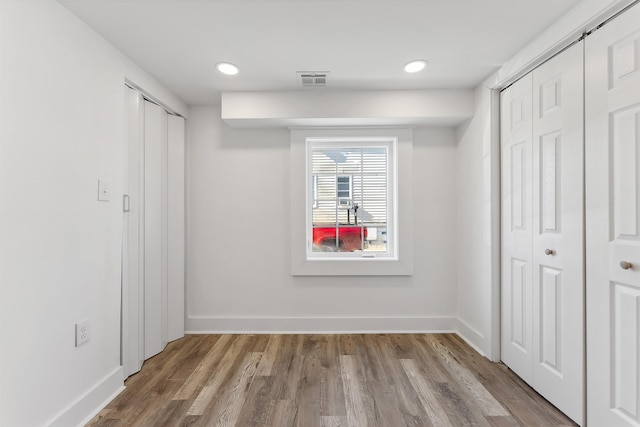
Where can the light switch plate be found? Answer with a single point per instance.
(104, 192)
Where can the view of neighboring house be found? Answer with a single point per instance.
(350, 188)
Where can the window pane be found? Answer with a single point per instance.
(349, 199)
(376, 239)
(324, 161)
(349, 161)
(372, 211)
(324, 212)
(350, 238)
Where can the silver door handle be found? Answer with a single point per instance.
(549, 252)
(625, 265)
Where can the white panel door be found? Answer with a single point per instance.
(155, 291)
(176, 227)
(613, 221)
(558, 232)
(517, 297)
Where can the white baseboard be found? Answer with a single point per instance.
(327, 325)
(472, 337)
(87, 406)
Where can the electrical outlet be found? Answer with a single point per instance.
(83, 332)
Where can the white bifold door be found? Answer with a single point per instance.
(613, 221)
(153, 247)
(542, 153)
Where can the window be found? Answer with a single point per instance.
(351, 198)
(351, 202)
(344, 191)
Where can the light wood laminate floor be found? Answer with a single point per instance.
(390, 380)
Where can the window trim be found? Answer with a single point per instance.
(402, 263)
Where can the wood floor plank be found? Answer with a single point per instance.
(259, 342)
(359, 406)
(148, 410)
(332, 402)
(387, 410)
(506, 421)
(309, 393)
(193, 354)
(427, 394)
(287, 371)
(463, 411)
(194, 383)
(171, 414)
(269, 356)
(347, 344)
(373, 360)
(283, 414)
(476, 389)
(417, 421)
(258, 404)
(378, 380)
(217, 379)
(327, 421)
(407, 398)
(234, 400)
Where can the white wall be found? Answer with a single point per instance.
(62, 128)
(477, 165)
(239, 234)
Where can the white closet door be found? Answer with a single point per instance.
(558, 253)
(517, 298)
(176, 227)
(155, 291)
(133, 247)
(613, 221)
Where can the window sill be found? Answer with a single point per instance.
(352, 267)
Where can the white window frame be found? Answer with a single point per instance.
(314, 190)
(396, 262)
(390, 146)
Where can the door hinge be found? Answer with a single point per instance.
(126, 203)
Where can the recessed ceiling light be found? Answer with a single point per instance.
(227, 68)
(415, 66)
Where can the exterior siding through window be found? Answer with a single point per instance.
(346, 177)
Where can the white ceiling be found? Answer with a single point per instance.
(362, 43)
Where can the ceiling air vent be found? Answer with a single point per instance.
(312, 78)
